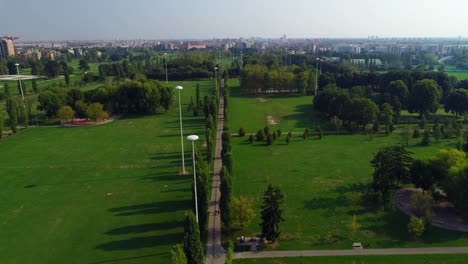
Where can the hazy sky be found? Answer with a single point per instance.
(168, 19)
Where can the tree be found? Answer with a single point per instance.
(399, 89)
(421, 205)
(416, 133)
(96, 111)
(83, 65)
(424, 98)
(2, 124)
(34, 86)
(65, 113)
(251, 139)
(229, 252)
(260, 136)
(12, 111)
(242, 132)
(49, 102)
(436, 131)
(242, 211)
(416, 226)
(457, 102)
(192, 244)
(363, 111)
(178, 255)
(271, 213)
(426, 138)
(422, 174)
(225, 198)
(386, 115)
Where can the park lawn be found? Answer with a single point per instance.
(293, 113)
(323, 181)
(107, 193)
(460, 75)
(402, 259)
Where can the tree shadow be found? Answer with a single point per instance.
(141, 242)
(152, 208)
(129, 258)
(304, 116)
(144, 228)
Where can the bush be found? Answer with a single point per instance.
(270, 139)
(251, 139)
(260, 135)
(426, 138)
(242, 132)
(278, 132)
(416, 226)
(416, 133)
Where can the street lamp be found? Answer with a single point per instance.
(321, 63)
(216, 77)
(165, 61)
(193, 138)
(179, 88)
(21, 86)
(316, 76)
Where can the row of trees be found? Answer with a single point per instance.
(259, 78)
(131, 97)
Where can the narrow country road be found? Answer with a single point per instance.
(215, 251)
(352, 252)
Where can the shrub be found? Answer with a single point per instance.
(242, 132)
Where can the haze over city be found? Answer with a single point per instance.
(183, 19)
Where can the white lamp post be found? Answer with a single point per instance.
(165, 60)
(179, 88)
(216, 77)
(193, 138)
(21, 86)
(316, 76)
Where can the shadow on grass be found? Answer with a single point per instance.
(304, 116)
(152, 208)
(132, 229)
(141, 242)
(129, 258)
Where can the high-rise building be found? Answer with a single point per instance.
(6, 48)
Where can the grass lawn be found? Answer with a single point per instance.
(323, 180)
(109, 193)
(252, 111)
(402, 259)
(460, 75)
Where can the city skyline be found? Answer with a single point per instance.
(182, 19)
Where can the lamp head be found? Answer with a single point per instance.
(179, 88)
(192, 137)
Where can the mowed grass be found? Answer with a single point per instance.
(402, 259)
(108, 193)
(460, 75)
(323, 180)
(253, 111)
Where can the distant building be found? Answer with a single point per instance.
(198, 46)
(6, 48)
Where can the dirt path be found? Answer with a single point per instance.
(352, 252)
(215, 251)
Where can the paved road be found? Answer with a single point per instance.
(215, 251)
(352, 252)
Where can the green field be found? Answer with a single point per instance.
(323, 180)
(402, 259)
(460, 75)
(109, 193)
(252, 111)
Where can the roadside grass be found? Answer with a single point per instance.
(402, 259)
(99, 194)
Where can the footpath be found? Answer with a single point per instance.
(215, 251)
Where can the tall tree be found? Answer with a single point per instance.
(2, 124)
(271, 213)
(225, 199)
(12, 111)
(178, 255)
(424, 97)
(192, 244)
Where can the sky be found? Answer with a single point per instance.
(207, 19)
